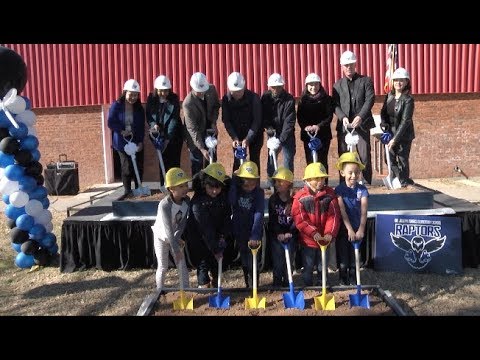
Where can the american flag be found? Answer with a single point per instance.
(392, 65)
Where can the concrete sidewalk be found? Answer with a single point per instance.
(459, 187)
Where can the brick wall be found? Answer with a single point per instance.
(447, 131)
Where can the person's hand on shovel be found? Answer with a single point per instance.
(254, 244)
(179, 255)
(222, 244)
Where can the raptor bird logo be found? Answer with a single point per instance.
(417, 250)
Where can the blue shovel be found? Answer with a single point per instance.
(292, 299)
(358, 299)
(219, 301)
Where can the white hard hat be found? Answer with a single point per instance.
(235, 81)
(162, 82)
(131, 85)
(199, 82)
(401, 73)
(348, 57)
(312, 77)
(276, 80)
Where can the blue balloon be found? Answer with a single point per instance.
(25, 222)
(6, 198)
(36, 155)
(37, 232)
(28, 103)
(27, 183)
(45, 202)
(24, 261)
(14, 172)
(4, 120)
(6, 159)
(16, 247)
(29, 142)
(38, 193)
(19, 133)
(13, 212)
(53, 249)
(48, 240)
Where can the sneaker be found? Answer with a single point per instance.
(205, 286)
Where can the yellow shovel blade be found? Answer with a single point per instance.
(183, 303)
(324, 302)
(255, 303)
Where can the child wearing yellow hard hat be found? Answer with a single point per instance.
(353, 202)
(209, 224)
(248, 204)
(317, 217)
(169, 225)
(281, 228)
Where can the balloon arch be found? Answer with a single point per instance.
(21, 179)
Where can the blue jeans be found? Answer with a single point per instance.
(288, 149)
(312, 257)
(279, 262)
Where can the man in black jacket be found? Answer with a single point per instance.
(354, 97)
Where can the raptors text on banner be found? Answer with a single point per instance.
(419, 244)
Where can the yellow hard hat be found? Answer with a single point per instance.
(216, 170)
(175, 176)
(315, 170)
(283, 173)
(248, 170)
(349, 157)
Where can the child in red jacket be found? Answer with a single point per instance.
(317, 217)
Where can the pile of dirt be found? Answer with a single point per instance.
(274, 305)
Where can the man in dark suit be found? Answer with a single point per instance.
(200, 109)
(354, 97)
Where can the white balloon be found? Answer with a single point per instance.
(44, 217)
(1, 172)
(32, 131)
(49, 227)
(17, 106)
(8, 186)
(27, 117)
(33, 207)
(19, 198)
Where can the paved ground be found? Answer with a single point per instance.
(459, 187)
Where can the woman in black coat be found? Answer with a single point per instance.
(397, 117)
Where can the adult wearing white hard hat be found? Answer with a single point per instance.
(242, 117)
(126, 119)
(279, 114)
(200, 109)
(354, 97)
(163, 119)
(314, 115)
(397, 118)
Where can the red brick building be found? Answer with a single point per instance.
(72, 85)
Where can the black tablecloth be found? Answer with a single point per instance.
(106, 245)
(122, 245)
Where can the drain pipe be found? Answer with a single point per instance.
(457, 169)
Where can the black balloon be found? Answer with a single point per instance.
(41, 257)
(13, 71)
(23, 157)
(18, 236)
(33, 169)
(9, 145)
(30, 247)
(11, 223)
(4, 133)
(40, 179)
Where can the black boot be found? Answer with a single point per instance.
(246, 277)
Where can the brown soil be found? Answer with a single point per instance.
(274, 305)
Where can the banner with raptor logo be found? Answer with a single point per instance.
(419, 244)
